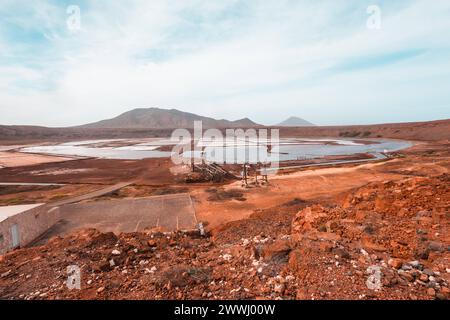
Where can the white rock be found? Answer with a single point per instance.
(115, 252)
(364, 252)
(373, 282)
(227, 257)
(279, 288)
(5, 274)
(290, 278)
(414, 263)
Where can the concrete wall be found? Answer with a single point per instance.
(31, 223)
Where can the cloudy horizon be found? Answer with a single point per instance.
(322, 61)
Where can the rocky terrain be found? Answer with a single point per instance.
(384, 240)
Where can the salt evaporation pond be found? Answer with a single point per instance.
(90, 149)
(234, 151)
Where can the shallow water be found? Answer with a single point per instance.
(230, 151)
(299, 152)
(295, 149)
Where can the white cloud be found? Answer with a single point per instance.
(263, 59)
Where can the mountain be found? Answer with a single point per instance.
(156, 118)
(425, 131)
(295, 122)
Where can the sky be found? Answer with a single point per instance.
(330, 62)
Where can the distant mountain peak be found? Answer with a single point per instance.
(295, 122)
(158, 118)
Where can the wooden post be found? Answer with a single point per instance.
(192, 143)
(264, 173)
(245, 174)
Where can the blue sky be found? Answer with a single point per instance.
(262, 59)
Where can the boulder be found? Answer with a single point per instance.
(395, 263)
(277, 251)
(180, 276)
(327, 236)
(152, 243)
(295, 260)
(342, 253)
(306, 219)
(369, 244)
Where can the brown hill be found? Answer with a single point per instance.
(156, 118)
(427, 131)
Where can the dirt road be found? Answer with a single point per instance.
(93, 194)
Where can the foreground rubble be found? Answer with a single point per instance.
(386, 240)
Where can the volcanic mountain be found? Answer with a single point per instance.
(295, 122)
(156, 118)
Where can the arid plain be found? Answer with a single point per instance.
(312, 232)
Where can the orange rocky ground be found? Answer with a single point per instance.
(373, 231)
(323, 185)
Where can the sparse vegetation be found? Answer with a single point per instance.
(222, 195)
(4, 190)
(295, 202)
(350, 134)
